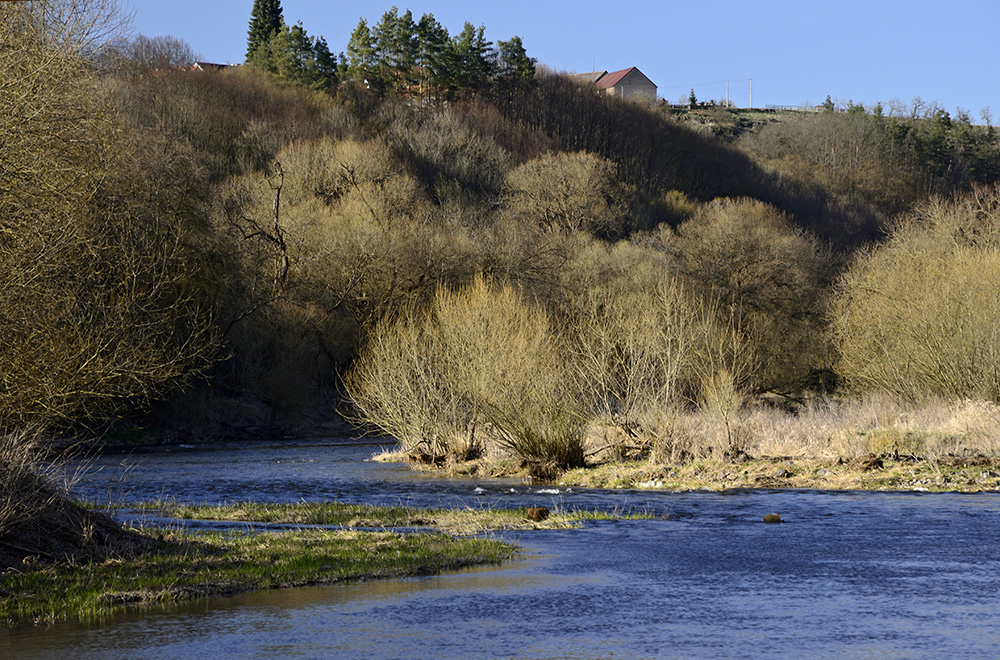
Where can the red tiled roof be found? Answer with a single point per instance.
(613, 78)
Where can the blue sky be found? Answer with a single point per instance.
(795, 52)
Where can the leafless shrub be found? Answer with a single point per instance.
(568, 191)
(747, 256)
(635, 352)
(920, 315)
(480, 365)
(443, 146)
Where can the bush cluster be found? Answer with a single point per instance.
(479, 366)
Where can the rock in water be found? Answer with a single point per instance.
(772, 518)
(867, 462)
(537, 513)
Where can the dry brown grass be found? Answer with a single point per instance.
(831, 444)
(874, 443)
(847, 429)
(38, 522)
(23, 494)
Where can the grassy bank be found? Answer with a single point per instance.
(972, 474)
(172, 566)
(181, 567)
(453, 521)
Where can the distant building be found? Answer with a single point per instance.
(591, 77)
(209, 66)
(629, 83)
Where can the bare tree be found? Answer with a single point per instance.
(81, 27)
(98, 294)
(156, 53)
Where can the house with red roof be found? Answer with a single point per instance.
(628, 83)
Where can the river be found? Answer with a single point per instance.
(847, 575)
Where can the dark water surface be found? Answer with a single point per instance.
(849, 575)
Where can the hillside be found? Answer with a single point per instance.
(274, 226)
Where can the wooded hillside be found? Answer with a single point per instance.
(233, 251)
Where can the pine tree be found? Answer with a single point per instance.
(361, 55)
(266, 20)
(513, 62)
(405, 44)
(326, 62)
(431, 64)
(384, 35)
(298, 58)
(474, 59)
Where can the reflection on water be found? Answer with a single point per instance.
(850, 575)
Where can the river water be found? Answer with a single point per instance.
(848, 574)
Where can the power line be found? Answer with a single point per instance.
(717, 82)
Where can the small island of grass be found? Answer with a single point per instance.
(100, 568)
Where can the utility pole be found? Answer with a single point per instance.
(751, 93)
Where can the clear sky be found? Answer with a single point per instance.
(795, 51)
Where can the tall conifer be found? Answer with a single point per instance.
(266, 20)
(361, 54)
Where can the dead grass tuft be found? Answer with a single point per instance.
(39, 524)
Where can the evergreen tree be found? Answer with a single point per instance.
(405, 44)
(265, 21)
(361, 55)
(431, 62)
(395, 40)
(326, 62)
(298, 58)
(513, 62)
(473, 59)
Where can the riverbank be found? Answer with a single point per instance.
(964, 474)
(873, 444)
(160, 566)
(869, 472)
(183, 566)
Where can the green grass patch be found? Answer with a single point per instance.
(196, 565)
(456, 521)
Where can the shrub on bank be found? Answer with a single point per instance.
(920, 315)
(636, 351)
(481, 367)
(770, 277)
